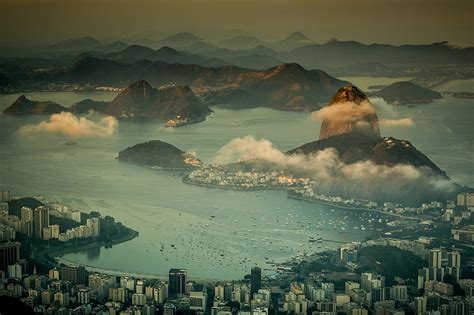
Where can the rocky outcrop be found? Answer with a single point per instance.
(387, 151)
(369, 166)
(24, 106)
(158, 154)
(141, 99)
(349, 111)
(287, 87)
(404, 92)
(87, 105)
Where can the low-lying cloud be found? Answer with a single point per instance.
(345, 112)
(73, 126)
(363, 179)
(403, 122)
(349, 112)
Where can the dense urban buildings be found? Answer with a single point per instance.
(339, 286)
(9, 254)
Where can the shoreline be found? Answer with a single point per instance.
(445, 82)
(351, 208)
(120, 273)
(189, 182)
(54, 253)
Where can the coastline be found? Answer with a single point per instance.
(351, 208)
(440, 85)
(54, 253)
(114, 272)
(189, 182)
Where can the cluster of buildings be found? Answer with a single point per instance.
(35, 223)
(371, 295)
(90, 229)
(439, 294)
(349, 253)
(32, 222)
(217, 176)
(308, 192)
(440, 264)
(71, 290)
(435, 290)
(176, 122)
(452, 211)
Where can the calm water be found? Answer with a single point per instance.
(247, 226)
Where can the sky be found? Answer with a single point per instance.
(382, 21)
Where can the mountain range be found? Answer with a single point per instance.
(139, 99)
(335, 53)
(286, 86)
(24, 106)
(166, 54)
(249, 52)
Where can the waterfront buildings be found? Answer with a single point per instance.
(177, 282)
(255, 280)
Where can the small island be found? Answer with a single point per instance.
(405, 92)
(160, 155)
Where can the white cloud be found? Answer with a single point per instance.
(363, 179)
(403, 122)
(73, 126)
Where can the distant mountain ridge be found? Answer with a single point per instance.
(286, 86)
(334, 53)
(241, 42)
(136, 53)
(292, 41)
(24, 106)
(76, 43)
(140, 99)
(178, 40)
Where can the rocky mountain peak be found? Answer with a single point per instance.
(297, 36)
(349, 93)
(349, 111)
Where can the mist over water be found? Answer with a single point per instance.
(165, 211)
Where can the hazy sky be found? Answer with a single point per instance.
(384, 21)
